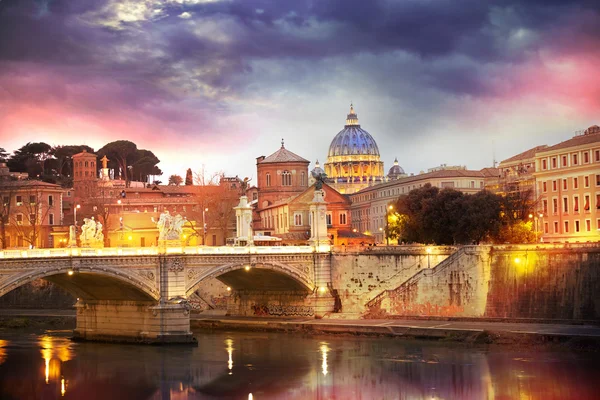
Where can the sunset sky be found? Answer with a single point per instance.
(219, 82)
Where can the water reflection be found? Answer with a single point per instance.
(271, 366)
(3, 344)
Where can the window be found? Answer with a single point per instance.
(565, 204)
(597, 180)
(554, 162)
(19, 200)
(544, 187)
(302, 179)
(586, 181)
(32, 199)
(472, 184)
(556, 227)
(575, 183)
(564, 161)
(544, 164)
(50, 219)
(545, 227)
(328, 217)
(286, 178)
(588, 225)
(86, 163)
(343, 218)
(566, 226)
(576, 203)
(268, 176)
(92, 164)
(68, 193)
(554, 186)
(597, 152)
(575, 159)
(545, 206)
(32, 219)
(19, 218)
(50, 200)
(586, 203)
(564, 184)
(555, 205)
(586, 157)
(577, 226)
(298, 219)
(597, 201)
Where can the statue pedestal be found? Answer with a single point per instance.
(243, 217)
(318, 227)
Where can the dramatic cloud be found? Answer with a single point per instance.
(219, 82)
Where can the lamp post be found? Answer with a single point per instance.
(75, 214)
(387, 224)
(204, 226)
(121, 218)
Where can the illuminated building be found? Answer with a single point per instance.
(568, 185)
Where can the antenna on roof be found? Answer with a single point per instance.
(493, 154)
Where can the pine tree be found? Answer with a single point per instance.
(188, 177)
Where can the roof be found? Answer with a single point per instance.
(592, 137)
(283, 155)
(350, 234)
(29, 184)
(490, 172)
(526, 155)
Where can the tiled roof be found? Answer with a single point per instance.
(29, 184)
(490, 172)
(528, 154)
(283, 155)
(576, 141)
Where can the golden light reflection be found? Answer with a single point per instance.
(324, 350)
(54, 351)
(62, 387)
(229, 343)
(3, 344)
(250, 397)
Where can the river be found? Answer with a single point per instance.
(258, 366)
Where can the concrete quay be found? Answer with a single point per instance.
(456, 330)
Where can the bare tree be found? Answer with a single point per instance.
(30, 214)
(7, 191)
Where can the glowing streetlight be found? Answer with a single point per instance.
(78, 206)
(204, 226)
(387, 224)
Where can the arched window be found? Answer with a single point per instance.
(80, 164)
(286, 178)
(92, 164)
(86, 163)
(302, 179)
(268, 179)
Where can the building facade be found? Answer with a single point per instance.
(370, 206)
(568, 185)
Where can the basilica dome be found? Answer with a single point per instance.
(396, 171)
(353, 140)
(353, 160)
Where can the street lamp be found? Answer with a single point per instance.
(75, 211)
(121, 219)
(204, 226)
(387, 224)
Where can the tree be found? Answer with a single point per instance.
(175, 180)
(29, 215)
(61, 165)
(30, 158)
(481, 220)
(144, 165)
(7, 191)
(3, 155)
(189, 180)
(120, 153)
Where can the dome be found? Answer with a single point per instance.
(353, 140)
(396, 171)
(592, 129)
(317, 169)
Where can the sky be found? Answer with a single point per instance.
(217, 83)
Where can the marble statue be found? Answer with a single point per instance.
(90, 237)
(169, 227)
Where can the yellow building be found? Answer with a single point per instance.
(568, 184)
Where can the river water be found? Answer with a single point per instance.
(259, 366)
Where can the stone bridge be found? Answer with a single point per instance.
(140, 294)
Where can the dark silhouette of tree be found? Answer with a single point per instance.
(189, 180)
(3, 155)
(30, 158)
(144, 165)
(121, 154)
(175, 180)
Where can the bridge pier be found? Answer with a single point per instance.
(133, 321)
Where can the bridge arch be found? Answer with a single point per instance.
(263, 275)
(103, 283)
